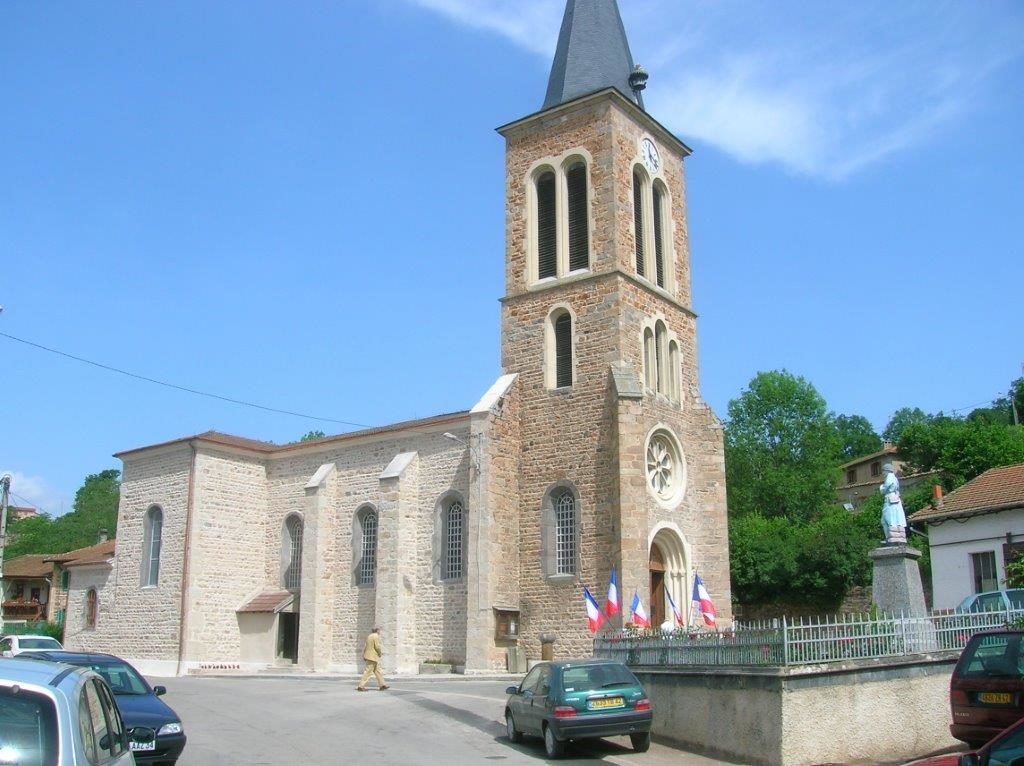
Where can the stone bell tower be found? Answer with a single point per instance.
(621, 462)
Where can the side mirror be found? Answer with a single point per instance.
(968, 759)
(105, 742)
(512, 690)
(159, 691)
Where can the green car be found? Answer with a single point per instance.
(573, 700)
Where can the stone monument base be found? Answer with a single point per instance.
(896, 584)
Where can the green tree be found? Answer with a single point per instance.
(857, 436)
(781, 449)
(961, 448)
(311, 435)
(899, 421)
(95, 508)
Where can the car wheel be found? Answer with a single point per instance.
(641, 742)
(555, 748)
(514, 735)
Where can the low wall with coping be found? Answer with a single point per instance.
(867, 711)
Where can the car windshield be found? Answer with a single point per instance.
(39, 643)
(28, 727)
(994, 656)
(597, 677)
(1016, 598)
(121, 676)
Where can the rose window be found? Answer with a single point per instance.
(666, 469)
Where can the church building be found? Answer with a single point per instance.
(466, 536)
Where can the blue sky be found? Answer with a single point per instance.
(300, 205)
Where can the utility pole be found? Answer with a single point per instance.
(5, 497)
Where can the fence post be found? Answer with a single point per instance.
(785, 642)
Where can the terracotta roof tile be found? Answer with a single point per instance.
(996, 489)
(98, 551)
(29, 565)
(267, 601)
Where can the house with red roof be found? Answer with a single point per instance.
(973, 533)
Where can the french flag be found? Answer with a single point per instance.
(639, 615)
(613, 607)
(594, 616)
(675, 609)
(701, 597)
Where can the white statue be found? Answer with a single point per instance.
(894, 520)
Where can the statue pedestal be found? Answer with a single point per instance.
(896, 584)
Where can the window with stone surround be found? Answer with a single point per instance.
(92, 605)
(652, 229)
(291, 553)
(558, 231)
(559, 361)
(454, 540)
(365, 545)
(662, 361)
(153, 526)
(666, 467)
(560, 532)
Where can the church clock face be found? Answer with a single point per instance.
(649, 153)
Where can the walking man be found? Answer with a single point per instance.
(372, 653)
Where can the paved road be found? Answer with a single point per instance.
(272, 721)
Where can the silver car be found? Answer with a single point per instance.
(58, 715)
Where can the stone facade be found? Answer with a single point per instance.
(622, 466)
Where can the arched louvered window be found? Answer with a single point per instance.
(566, 525)
(291, 554)
(366, 571)
(579, 226)
(92, 605)
(152, 535)
(563, 350)
(547, 226)
(454, 540)
(638, 222)
(659, 235)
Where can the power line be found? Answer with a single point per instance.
(183, 388)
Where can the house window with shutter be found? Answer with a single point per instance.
(658, 209)
(638, 223)
(92, 605)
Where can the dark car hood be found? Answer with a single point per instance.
(144, 710)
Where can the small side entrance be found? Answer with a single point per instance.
(288, 636)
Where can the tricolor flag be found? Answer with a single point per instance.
(701, 597)
(639, 615)
(594, 616)
(675, 609)
(613, 606)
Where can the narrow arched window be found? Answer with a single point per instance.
(563, 350)
(366, 573)
(547, 225)
(660, 350)
(565, 532)
(659, 235)
(92, 605)
(291, 554)
(579, 226)
(650, 371)
(152, 536)
(638, 222)
(674, 372)
(454, 541)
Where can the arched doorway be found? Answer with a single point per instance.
(669, 564)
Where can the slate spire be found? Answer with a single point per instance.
(592, 54)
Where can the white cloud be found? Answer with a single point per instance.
(35, 492)
(823, 90)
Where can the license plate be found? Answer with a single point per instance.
(137, 747)
(996, 698)
(606, 703)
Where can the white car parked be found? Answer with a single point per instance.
(13, 645)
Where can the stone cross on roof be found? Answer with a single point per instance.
(592, 54)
